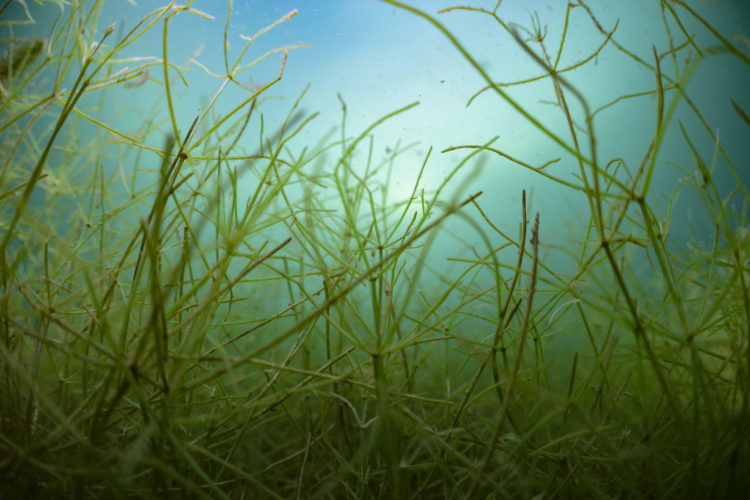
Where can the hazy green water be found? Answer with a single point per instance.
(380, 59)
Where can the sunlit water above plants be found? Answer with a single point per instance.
(378, 59)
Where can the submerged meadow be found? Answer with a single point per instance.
(213, 305)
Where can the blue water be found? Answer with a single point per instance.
(380, 58)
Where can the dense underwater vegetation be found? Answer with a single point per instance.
(213, 302)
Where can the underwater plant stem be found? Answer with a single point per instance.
(640, 331)
(500, 328)
(517, 363)
(167, 87)
(727, 44)
(539, 170)
(78, 89)
(239, 107)
(386, 435)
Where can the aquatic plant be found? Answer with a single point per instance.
(21, 54)
(185, 310)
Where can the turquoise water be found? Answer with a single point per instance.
(379, 59)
